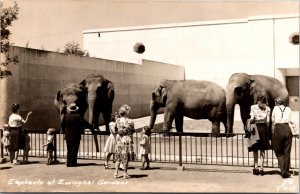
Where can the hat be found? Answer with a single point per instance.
(279, 101)
(73, 107)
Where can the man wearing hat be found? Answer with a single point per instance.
(73, 126)
(282, 135)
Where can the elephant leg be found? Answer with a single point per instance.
(96, 120)
(168, 120)
(179, 123)
(215, 127)
(245, 114)
(106, 117)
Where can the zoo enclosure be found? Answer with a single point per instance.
(181, 148)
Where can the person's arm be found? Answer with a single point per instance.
(62, 125)
(27, 116)
(252, 114)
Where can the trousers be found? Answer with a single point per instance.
(282, 143)
(72, 152)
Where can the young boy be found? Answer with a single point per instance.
(27, 146)
(50, 145)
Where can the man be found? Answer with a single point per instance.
(73, 126)
(282, 135)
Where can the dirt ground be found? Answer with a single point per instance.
(90, 176)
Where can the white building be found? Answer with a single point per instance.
(211, 50)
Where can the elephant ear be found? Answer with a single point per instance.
(164, 95)
(83, 83)
(110, 90)
(59, 96)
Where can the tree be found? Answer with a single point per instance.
(73, 48)
(8, 15)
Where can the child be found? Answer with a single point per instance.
(145, 147)
(5, 139)
(109, 148)
(27, 146)
(50, 145)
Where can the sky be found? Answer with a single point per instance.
(50, 24)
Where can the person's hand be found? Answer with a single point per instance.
(62, 132)
(29, 113)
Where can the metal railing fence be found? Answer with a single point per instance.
(181, 148)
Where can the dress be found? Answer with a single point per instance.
(17, 139)
(111, 140)
(124, 144)
(261, 117)
(145, 145)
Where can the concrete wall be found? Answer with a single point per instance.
(40, 74)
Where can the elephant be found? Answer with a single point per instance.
(243, 89)
(190, 98)
(72, 92)
(94, 93)
(100, 97)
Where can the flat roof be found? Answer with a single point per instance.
(190, 24)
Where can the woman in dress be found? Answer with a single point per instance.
(124, 141)
(17, 140)
(109, 148)
(260, 116)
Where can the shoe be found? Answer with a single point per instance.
(261, 172)
(142, 168)
(115, 176)
(255, 171)
(15, 162)
(126, 176)
(147, 168)
(285, 175)
(106, 165)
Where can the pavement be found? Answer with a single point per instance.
(91, 176)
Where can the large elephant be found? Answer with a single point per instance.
(243, 89)
(190, 98)
(100, 97)
(71, 93)
(94, 93)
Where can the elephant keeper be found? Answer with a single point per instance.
(73, 126)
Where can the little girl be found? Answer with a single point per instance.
(27, 146)
(5, 139)
(50, 145)
(109, 148)
(145, 147)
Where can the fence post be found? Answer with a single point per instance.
(3, 160)
(180, 167)
(55, 149)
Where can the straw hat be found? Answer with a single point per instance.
(73, 107)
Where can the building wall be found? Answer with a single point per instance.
(39, 75)
(211, 50)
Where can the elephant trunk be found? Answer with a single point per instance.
(153, 113)
(230, 105)
(91, 103)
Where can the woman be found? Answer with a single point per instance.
(260, 116)
(282, 135)
(124, 142)
(17, 140)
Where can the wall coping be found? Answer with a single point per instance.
(191, 24)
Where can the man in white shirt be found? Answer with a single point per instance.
(282, 135)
